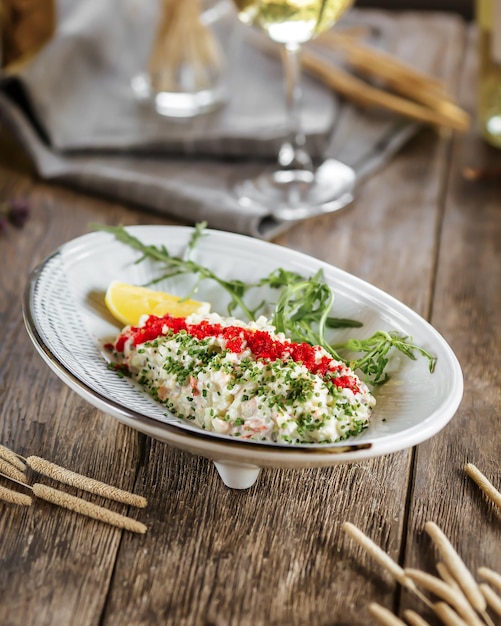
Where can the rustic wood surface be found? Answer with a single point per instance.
(273, 554)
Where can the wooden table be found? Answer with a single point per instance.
(273, 554)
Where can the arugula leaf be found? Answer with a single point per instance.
(301, 313)
(375, 352)
(175, 266)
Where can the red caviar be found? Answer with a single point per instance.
(260, 343)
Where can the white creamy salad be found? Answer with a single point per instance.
(245, 380)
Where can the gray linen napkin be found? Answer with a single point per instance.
(78, 119)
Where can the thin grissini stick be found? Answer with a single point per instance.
(493, 600)
(384, 616)
(414, 619)
(8, 455)
(451, 595)
(448, 615)
(11, 471)
(96, 487)
(490, 576)
(446, 576)
(376, 62)
(14, 497)
(379, 555)
(457, 567)
(449, 116)
(485, 485)
(72, 503)
(446, 115)
(400, 77)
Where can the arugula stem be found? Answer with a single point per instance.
(301, 313)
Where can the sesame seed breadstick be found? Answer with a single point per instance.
(384, 616)
(378, 554)
(457, 567)
(83, 482)
(493, 600)
(485, 485)
(414, 619)
(67, 501)
(12, 458)
(14, 497)
(11, 471)
(491, 577)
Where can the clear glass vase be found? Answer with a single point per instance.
(185, 71)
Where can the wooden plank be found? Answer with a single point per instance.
(466, 310)
(272, 554)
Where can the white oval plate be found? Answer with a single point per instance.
(67, 320)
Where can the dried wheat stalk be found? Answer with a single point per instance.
(83, 482)
(67, 501)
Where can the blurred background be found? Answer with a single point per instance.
(464, 7)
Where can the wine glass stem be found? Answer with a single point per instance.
(292, 154)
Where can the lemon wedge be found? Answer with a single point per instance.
(127, 303)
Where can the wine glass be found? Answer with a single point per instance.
(296, 189)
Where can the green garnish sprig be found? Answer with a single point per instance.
(301, 312)
(175, 266)
(375, 353)
(302, 315)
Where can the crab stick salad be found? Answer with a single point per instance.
(244, 379)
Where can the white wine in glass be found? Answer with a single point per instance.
(296, 188)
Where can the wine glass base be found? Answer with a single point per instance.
(291, 195)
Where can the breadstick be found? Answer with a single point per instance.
(457, 567)
(491, 577)
(379, 555)
(14, 497)
(67, 501)
(414, 619)
(384, 616)
(452, 595)
(12, 458)
(446, 576)
(448, 616)
(82, 482)
(493, 600)
(485, 485)
(11, 471)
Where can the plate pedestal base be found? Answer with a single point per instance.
(237, 475)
